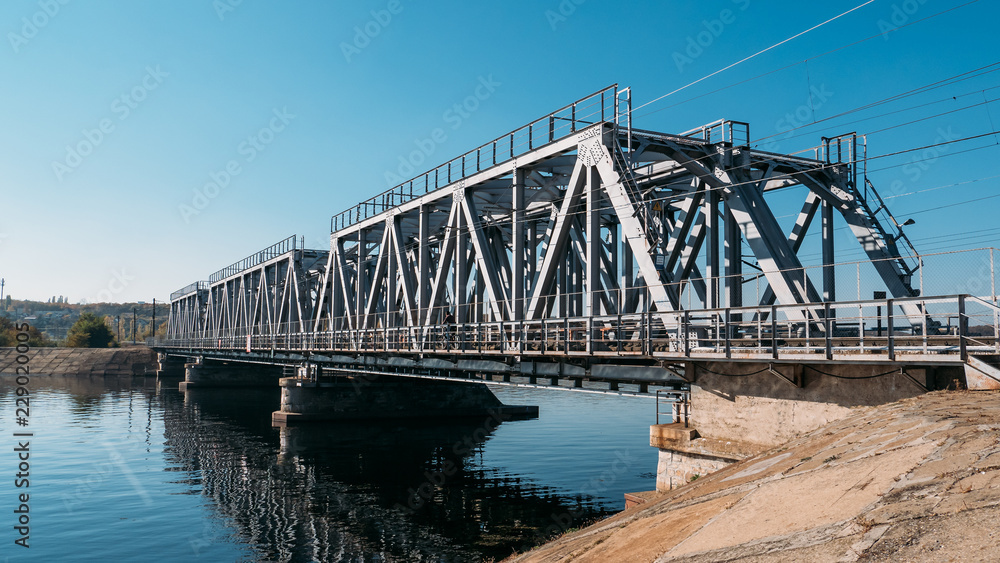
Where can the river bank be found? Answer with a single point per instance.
(120, 362)
(915, 480)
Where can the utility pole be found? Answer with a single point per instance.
(153, 331)
(133, 324)
(118, 326)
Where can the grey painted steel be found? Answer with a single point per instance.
(574, 234)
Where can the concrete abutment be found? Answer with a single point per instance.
(741, 409)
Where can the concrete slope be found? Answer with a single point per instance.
(127, 361)
(916, 480)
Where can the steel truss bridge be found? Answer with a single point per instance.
(579, 248)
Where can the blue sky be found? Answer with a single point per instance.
(117, 114)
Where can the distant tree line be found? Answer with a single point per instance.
(8, 335)
(54, 322)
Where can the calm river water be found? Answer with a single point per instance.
(120, 471)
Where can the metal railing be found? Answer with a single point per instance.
(851, 330)
(189, 289)
(679, 402)
(736, 133)
(600, 106)
(273, 251)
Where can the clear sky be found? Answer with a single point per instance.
(116, 115)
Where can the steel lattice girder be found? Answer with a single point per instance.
(585, 227)
(187, 314)
(277, 296)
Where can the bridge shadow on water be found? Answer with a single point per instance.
(400, 490)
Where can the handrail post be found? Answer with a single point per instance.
(962, 328)
(618, 334)
(729, 351)
(774, 332)
(687, 333)
(923, 323)
(590, 335)
(891, 342)
(827, 328)
(649, 330)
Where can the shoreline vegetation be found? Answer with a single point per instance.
(52, 321)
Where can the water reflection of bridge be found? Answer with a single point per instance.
(337, 491)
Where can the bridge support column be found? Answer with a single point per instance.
(202, 374)
(382, 397)
(684, 455)
(741, 409)
(170, 371)
(170, 366)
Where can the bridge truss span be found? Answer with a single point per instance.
(582, 235)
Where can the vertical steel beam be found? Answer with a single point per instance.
(627, 276)
(712, 252)
(424, 262)
(613, 270)
(361, 285)
(461, 287)
(532, 258)
(594, 244)
(829, 273)
(734, 262)
(517, 246)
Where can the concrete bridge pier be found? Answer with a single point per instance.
(170, 366)
(357, 397)
(207, 373)
(738, 410)
(170, 372)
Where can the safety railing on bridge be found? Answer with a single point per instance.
(255, 259)
(942, 324)
(723, 131)
(678, 401)
(601, 106)
(189, 289)
(955, 325)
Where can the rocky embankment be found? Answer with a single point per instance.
(133, 360)
(916, 480)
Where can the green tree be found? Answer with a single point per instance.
(89, 331)
(9, 332)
